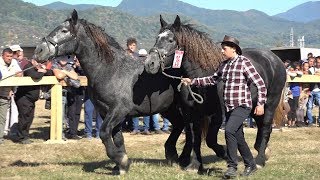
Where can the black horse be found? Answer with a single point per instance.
(202, 57)
(119, 86)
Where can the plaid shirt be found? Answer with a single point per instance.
(237, 73)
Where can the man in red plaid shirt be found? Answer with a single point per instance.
(237, 73)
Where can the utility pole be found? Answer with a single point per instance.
(301, 41)
(291, 38)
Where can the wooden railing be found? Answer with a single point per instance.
(304, 79)
(56, 99)
(56, 96)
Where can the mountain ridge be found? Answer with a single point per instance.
(253, 28)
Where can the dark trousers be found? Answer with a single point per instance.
(235, 137)
(26, 115)
(74, 104)
(294, 103)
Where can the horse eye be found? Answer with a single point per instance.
(64, 31)
(171, 41)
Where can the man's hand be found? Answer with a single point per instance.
(259, 110)
(186, 81)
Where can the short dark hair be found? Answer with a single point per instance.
(7, 50)
(287, 61)
(131, 40)
(309, 54)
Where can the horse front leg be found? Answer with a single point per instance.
(170, 145)
(212, 137)
(196, 159)
(176, 120)
(112, 138)
(264, 126)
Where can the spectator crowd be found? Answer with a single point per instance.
(17, 104)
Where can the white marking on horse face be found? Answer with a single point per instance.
(163, 34)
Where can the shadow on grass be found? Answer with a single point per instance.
(40, 133)
(107, 167)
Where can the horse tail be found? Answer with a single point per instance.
(281, 110)
(204, 127)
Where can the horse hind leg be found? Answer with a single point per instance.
(212, 138)
(112, 138)
(264, 125)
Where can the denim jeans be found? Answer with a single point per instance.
(88, 116)
(135, 123)
(155, 120)
(166, 123)
(314, 96)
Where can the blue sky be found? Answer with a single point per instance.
(271, 7)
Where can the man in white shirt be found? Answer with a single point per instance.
(8, 67)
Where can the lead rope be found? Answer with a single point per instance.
(195, 96)
(22, 70)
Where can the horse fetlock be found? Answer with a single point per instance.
(260, 161)
(220, 151)
(194, 166)
(124, 161)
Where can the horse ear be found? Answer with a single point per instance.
(163, 22)
(177, 23)
(74, 17)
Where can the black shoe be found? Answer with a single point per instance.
(135, 132)
(166, 131)
(146, 132)
(25, 141)
(159, 131)
(249, 170)
(230, 173)
(75, 137)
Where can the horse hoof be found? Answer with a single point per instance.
(117, 171)
(259, 166)
(122, 172)
(171, 162)
(193, 167)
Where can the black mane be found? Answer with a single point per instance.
(102, 41)
(198, 46)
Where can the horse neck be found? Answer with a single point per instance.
(90, 61)
(192, 69)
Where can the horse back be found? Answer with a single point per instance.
(271, 69)
(269, 66)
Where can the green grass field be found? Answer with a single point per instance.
(295, 154)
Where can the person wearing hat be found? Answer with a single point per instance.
(63, 70)
(237, 73)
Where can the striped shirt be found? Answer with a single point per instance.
(237, 73)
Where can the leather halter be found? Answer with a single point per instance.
(57, 44)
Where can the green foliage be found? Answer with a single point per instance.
(25, 23)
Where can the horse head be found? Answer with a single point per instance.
(198, 48)
(61, 41)
(161, 55)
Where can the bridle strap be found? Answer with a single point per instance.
(57, 44)
(195, 96)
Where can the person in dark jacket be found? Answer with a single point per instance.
(25, 98)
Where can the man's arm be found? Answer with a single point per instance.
(253, 75)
